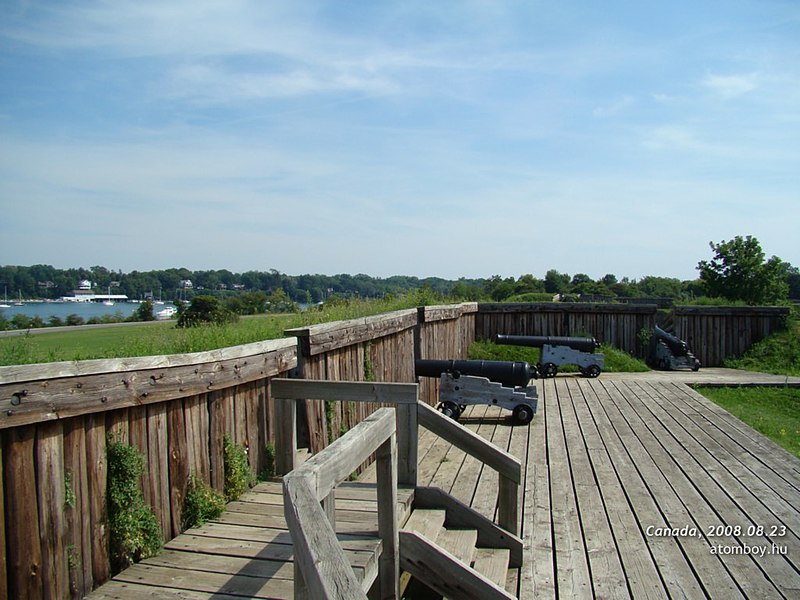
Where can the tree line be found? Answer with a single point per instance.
(738, 270)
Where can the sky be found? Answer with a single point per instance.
(447, 139)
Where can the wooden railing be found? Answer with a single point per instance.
(410, 413)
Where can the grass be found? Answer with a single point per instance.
(156, 338)
(778, 354)
(616, 361)
(774, 412)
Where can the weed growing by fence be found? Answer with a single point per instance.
(779, 353)
(133, 529)
(202, 503)
(238, 476)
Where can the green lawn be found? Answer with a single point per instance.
(162, 337)
(774, 412)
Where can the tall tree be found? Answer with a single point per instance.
(738, 271)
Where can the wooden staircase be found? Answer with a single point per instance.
(449, 550)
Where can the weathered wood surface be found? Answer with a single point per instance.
(248, 551)
(621, 457)
(603, 460)
(714, 333)
(45, 392)
(615, 324)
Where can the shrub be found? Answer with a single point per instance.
(205, 309)
(238, 476)
(133, 529)
(202, 503)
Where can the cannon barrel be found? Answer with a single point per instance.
(676, 345)
(581, 344)
(507, 373)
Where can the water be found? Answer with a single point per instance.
(86, 310)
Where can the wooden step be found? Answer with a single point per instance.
(459, 542)
(426, 521)
(492, 563)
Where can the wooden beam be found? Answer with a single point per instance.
(443, 572)
(458, 435)
(336, 462)
(322, 561)
(350, 391)
(461, 516)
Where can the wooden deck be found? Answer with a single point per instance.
(635, 486)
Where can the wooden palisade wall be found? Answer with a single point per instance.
(715, 333)
(712, 333)
(54, 426)
(55, 418)
(615, 324)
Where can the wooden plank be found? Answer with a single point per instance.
(428, 522)
(709, 569)
(492, 563)
(734, 503)
(345, 391)
(468, 441)
(321, 560)
(79, 541)
(54, 391)
(25, 562)
(3, 555)
(178, 466)
(572, 567)
(387, 499)
(443, 572)
(707, 501)
(462, 516)
(608, 577)
(247, 586)
(158, 467)
(641, 575)
(242, 353)
(318, 339)
(51, 501)
(459, 542)
(342, 457)
(97, 468)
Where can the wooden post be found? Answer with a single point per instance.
(389, 563)
(507, 500)
(285, 435)
(407, 444)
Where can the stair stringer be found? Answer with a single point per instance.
(444, 573)
(461, 516)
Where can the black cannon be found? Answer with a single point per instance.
(495, 382)
(672, 353)
(506, 373)
(557, 350)
(582, 344)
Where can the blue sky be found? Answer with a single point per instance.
(451, 139)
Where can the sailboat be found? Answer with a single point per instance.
(5, 303)
(19, 302)
(108, 301)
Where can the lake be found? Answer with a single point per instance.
(86, 310)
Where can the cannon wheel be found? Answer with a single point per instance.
(522, 414)
(449, 409)
(548, 370)
(591, 371)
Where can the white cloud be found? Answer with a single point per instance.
(730, 86)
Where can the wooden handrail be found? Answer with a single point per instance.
(321, 568)
(410, 412)
(508, 466)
